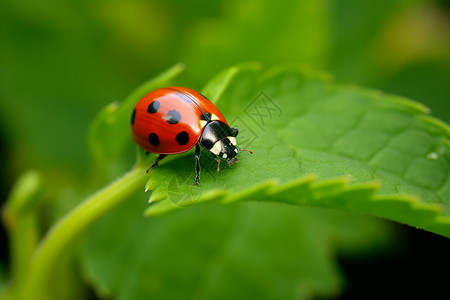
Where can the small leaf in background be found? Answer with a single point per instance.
(25, 194)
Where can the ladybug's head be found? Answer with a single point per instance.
(220, 140)
(226, 148)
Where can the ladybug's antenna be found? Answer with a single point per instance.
(251, 152)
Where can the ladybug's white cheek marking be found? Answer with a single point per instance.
(232, 140)
(203, 123)
(214, 117)
(216, 148)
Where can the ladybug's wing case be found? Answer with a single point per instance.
(166, 122)
(205, 105)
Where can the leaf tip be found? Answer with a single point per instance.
(26, 192)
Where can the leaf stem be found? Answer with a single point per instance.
(20, 220)
(68, 229)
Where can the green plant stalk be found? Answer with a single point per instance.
(67, 231)
(24, 238)
(20, 219)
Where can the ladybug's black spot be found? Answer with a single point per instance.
(153, 107)
(173, 117)
(206, 116)
(133, 116)
(182, 138)
(153, 139)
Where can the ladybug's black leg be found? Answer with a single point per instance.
(161, 156)
(218, 161)
(197, 163)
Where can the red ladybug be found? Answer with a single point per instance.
(172, 120)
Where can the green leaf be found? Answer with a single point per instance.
(109, 133)
(322, 145)
(315, 144)
(208, 251)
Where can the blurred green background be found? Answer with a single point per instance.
(62, 61)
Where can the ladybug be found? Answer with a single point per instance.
(173, 120)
